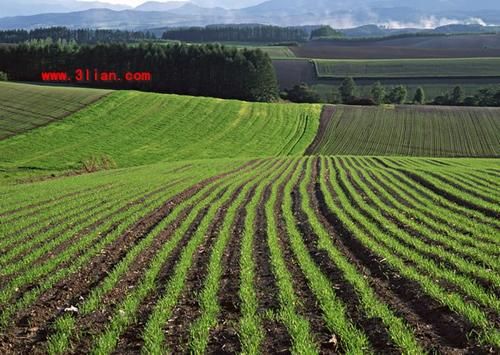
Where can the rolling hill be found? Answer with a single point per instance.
(40, 105)
(134, 128)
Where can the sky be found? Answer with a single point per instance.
(129, 2)
(234, 3)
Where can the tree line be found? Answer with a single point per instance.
(348, 93)
(235, 33)
(82, 36)
(204, 70)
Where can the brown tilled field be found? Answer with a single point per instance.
(398, 48)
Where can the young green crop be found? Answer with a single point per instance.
(350, 217)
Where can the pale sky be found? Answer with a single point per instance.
(129, 2)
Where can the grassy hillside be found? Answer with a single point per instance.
(134, 128)
(408, 68)
(24, 107)
(409, 130)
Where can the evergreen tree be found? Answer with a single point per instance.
(398, 95)
(457, 95)
(378, 93)
(419, 96)
(348, 89)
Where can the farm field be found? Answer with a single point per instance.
(135, 128)
(408, 131)
(456, 46)
(39, 105)
(308, 254)
(235, 227)
(408, 68)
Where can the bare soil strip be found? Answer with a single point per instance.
(417, 235)
(32, 324)
(372, 327)
(308, 307)
(326, 116)
(437, 328)
(224, 337)
(186, 310)
(277, 339)
(453, 198)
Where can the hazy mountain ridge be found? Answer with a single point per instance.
(338, 14)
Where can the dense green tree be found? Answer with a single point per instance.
(398, 95)
(325, 32)
(457, 96)
(237, 33)
(303, 94)
(207, 70)
(348, 89)
(3, 76)
(419, 97)
(334, 97)
(378, 93)
(89, 36)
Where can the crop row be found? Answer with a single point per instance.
(308, 254)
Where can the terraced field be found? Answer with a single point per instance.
(408, 68)
(311, 254)
(24, 107)
(408, 131)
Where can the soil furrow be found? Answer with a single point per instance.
(437, 328)
(224, 337)
(30, 325)
(308, 306)
(373, 327)
(415, 234)
(187, 309)
(277, 339)
(449, 196)
(326, 116)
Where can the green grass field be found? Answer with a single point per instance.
(136, 128)
(408, 68)
(24, 107)
(217, 234)
(410, 131)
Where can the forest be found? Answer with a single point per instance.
(238, 33)
(90, 36)
(204, 70)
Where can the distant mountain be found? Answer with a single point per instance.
(160, 6)
(337, 13)
(33, 7)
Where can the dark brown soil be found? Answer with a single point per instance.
(187, 308)
(277, 340)
(414, 233)
(31, 326)
(326, 116)
(481, 45)
(453, 198)
(437, 328)
(308, 307)
(224, 337)
(372, 327)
